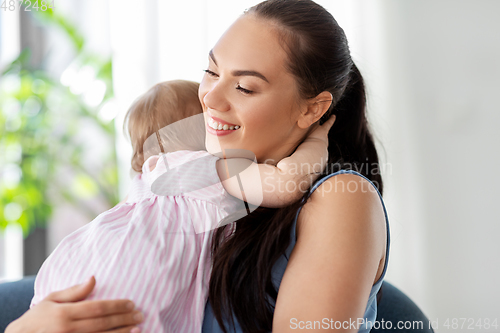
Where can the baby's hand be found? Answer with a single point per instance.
(312, 151)
(321, 131)
(303, 167)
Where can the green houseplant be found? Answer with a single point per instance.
(42, 118)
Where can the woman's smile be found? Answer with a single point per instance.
(218, 129)
(217, 126)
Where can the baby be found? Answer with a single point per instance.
(154, 248)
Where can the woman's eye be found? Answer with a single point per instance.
(243, 90)
(209, 72)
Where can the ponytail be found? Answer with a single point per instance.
(351, 144)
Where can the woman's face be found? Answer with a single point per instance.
(248, 86)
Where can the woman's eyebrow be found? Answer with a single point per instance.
(211, 54)
(249, 73)
(240, 72)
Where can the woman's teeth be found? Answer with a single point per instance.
(221, 127)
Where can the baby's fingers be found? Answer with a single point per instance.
(329, 123)
(321, 132)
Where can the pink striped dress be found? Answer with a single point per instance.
(153, 249)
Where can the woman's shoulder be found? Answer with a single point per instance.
(345, 199)
(340, 245)
(344, 180)
(344, 209)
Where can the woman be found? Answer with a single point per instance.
(280, 70)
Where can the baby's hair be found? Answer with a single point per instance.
(162, 105)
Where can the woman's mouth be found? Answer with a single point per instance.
(219, 127)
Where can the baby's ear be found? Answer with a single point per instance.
(316, 108)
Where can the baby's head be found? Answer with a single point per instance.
(162, 105)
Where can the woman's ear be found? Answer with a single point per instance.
(316, 108)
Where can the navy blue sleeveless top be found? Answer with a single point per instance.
(210, 324)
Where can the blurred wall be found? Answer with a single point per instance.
(442, 77)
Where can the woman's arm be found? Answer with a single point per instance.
(278, 186)
(65, 312)
(339, 254)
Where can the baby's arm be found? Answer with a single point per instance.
(277, 186)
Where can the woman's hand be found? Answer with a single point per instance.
(65, 312)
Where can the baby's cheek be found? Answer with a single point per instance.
(152, 163)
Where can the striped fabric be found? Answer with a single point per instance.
(149, 249)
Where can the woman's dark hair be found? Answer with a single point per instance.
(318, 56)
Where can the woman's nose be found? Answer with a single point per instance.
(216, 99)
